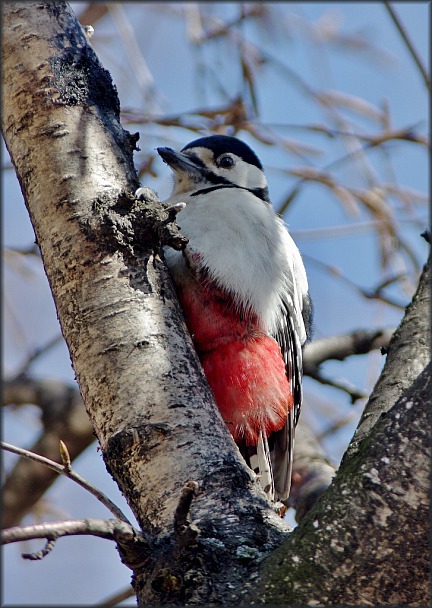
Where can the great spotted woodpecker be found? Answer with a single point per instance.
(244, 293)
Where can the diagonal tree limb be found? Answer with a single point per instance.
(408, 42)
(67, 470)
(63, 417)
(379, 499)
(404, 362)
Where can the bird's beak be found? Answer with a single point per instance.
(179, 162)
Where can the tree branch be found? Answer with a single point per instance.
(67, 470)
(111, 529)
(407, 41)
(116, 598)
(37, 353)
(64, 417)
(407, 356)
(341, 347)
(375, 513)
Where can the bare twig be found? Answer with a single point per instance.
(354, 393)
(358, 342)
(339, 348)
(335, 426)
(68, 472)
(370, 294)
(118, 597)
(133, 545)
(63, 417)
(38, 352)
(110, 529)
(36, 555)
(30, 250)
(407, 41)
(142, 73)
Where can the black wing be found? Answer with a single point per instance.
(281, 443)
(272, 457)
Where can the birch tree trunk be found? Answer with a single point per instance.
(207, 525)
(139, 376)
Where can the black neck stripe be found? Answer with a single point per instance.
(261, 193)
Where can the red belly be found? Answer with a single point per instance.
(243, 365)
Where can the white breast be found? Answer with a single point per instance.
(247, 251)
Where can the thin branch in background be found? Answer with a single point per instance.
(110, 529)
(369, 294)
(37, 555)
(338, 424)
(407, 41)
(38, 352)
(387, 134)
(353, 393)
(339, 348)
(217, 28)
(117, 598)
(30, 250)
(142, 73)
(343, 230)
(71, 474)
(64, 417)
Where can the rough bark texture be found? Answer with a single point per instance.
(140, 379)
(162, 438)
(366, 540)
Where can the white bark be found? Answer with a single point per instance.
(139, 376)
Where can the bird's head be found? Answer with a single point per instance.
(214, 162)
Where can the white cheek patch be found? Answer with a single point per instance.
(243, 174)
(255, 177)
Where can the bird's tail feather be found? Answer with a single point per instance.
(258, 458)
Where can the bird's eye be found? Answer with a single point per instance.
(226, 162)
